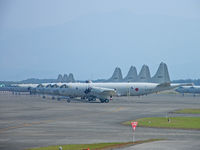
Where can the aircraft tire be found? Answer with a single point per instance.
(106, 100)
(102, 100)
(91, 99)
(68, 100)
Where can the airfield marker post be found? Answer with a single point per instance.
(133, 136)
(134, 125)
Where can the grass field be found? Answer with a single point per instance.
(174, 122)
(188, 111)
(96, 146)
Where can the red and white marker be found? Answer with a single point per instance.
(134, 125)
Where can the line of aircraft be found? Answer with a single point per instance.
(102, 91)
(188, 89)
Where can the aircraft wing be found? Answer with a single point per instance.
(102, 92)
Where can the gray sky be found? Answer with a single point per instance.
(42, 38)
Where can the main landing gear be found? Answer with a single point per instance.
(104, 100)
(90, 99)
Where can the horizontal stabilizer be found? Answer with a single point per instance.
(174, 85)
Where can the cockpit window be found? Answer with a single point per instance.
(54, 86)
(64, 86)
(49, 85)
(40, 85)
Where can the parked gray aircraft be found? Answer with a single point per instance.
(15, 89)
(189, 89)
(102, 91)
(105, 91)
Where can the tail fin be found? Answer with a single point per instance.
(162, 74)
(144, 75)
(117, 75)
(60, 78)
(65, 78)
(132, 75)
(71, 78)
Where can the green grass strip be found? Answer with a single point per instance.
(174, 122)
(188, 111)
(96, 146)
(77, 146)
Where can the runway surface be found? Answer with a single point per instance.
(30, 121)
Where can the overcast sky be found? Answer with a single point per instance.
(42, 38)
